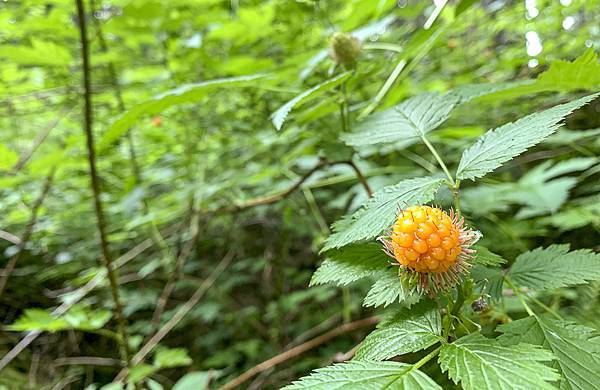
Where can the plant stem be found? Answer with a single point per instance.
(95, 185)
(545, 307)
(439, 160)
(519, 296)
(425, 359)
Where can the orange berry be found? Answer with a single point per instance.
(424, 239)
(411, 255)
(434, 240)
(438, 253)
(448, 243)
(425, 229)
(403, 239)
(420, 246)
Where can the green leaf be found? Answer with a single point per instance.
(576, 347)
(78, 317)
(410, 119)
(351, 263)
(365, 375)
(564, 76)
(188, 93)
(194, 381)
(172, 357)
(407, 330)
(380, 211)
(468, 92)
(390, 288)
(39, 53)
(279, 117)
(491, 280)
(8, 158)
(141, 371)
(488, 258)
(555, 267)
(480, 363)
(506, 142)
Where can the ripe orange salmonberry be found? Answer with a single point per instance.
(431, 246)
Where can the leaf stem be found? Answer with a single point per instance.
(425, 359)
(439, 160)
(519, 296)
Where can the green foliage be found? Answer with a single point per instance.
(279, 117)
(407, 330)
(188, 93)
(349, 264)
(185, 96)
(576, 347)
(480, 363)
(413, 118)
(506, 142)
(366, 375)
(555, 266)
(379, 212)
(78, 317)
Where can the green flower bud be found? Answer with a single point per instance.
(344, 49)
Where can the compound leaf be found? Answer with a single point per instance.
(366, 375)
(481, 363)
(508, 141)
(407, 330)
(379, 212)
(576, 347)
(555, 266)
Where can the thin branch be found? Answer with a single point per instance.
(95, 184)
(175, 275)
(79, 294)
(361, 178)
(87, 361)
(300, 349)
(10, 237)
(10, 266)
(178, 316)
(40, 138)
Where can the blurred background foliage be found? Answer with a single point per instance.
(184, 168)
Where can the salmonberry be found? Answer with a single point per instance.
(431, 246)
(344, 49)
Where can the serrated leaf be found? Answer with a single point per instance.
(508, 141)
(349, 264)
(40, 52)
(78, 317)
(407, 330)
(380, 211)
(469, 92)
(491, 280)
(389, 288)
(194, 381)
(480, 363)
(188, 93)
(365, 375)
(576, 347)
(554, 267)
(486, 257)
(583, 73)
(279, 117)
(410, 119)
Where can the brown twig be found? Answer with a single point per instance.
(178, 316)
(361, 178)
(175, 275)
(95, 184)
(300, 349)
(75, 297)
(10, 266)
(87, 361)
(10, 237)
